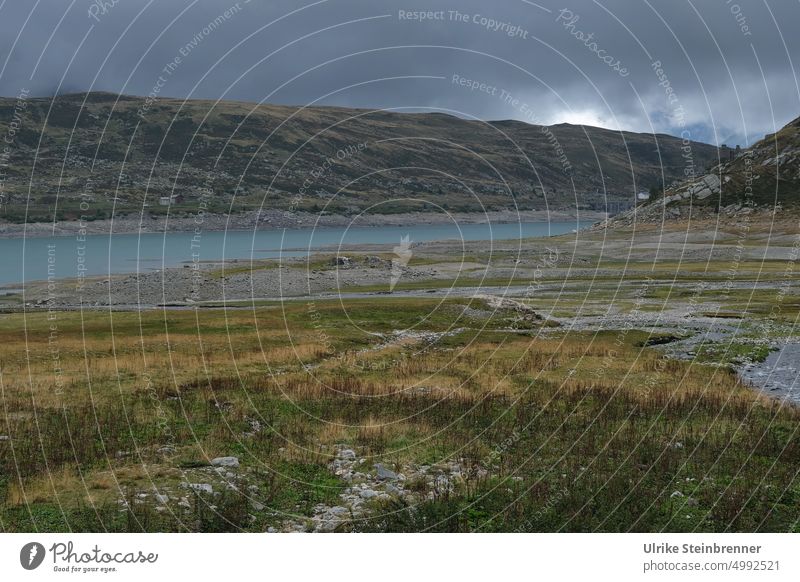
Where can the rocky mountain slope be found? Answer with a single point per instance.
(91, 155)
(764, 177)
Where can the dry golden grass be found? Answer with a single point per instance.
(401, 401)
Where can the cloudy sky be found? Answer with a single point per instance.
(727, 68)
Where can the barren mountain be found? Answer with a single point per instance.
(88, 155)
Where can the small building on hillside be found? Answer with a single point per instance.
(643, 196)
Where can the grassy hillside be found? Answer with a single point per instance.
(89, 155)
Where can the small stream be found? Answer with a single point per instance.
(777, 375)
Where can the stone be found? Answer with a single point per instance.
(201, 487)
(385, 474)
(676, 494)
(162, 498)
(712, 181)
(368, 494)
(703, 194)
(348, 454)
(225, 462)
(392, 490)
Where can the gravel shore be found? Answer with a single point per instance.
(279, 219)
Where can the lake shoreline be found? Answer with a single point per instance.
(278, 219)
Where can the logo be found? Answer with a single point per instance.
(31, 555)
(400, 261)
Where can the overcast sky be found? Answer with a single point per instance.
(727, 67)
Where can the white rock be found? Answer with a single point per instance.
(225, 462)
(348, 454)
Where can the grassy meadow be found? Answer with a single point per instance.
(556, 430)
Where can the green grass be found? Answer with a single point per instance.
(596, 417)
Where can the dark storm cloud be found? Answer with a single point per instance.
(726, 67)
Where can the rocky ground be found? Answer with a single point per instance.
(581, 257)
(368, 486)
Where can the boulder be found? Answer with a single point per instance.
(385, 474)
(225, 462)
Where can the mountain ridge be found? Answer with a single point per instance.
(103, 153)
